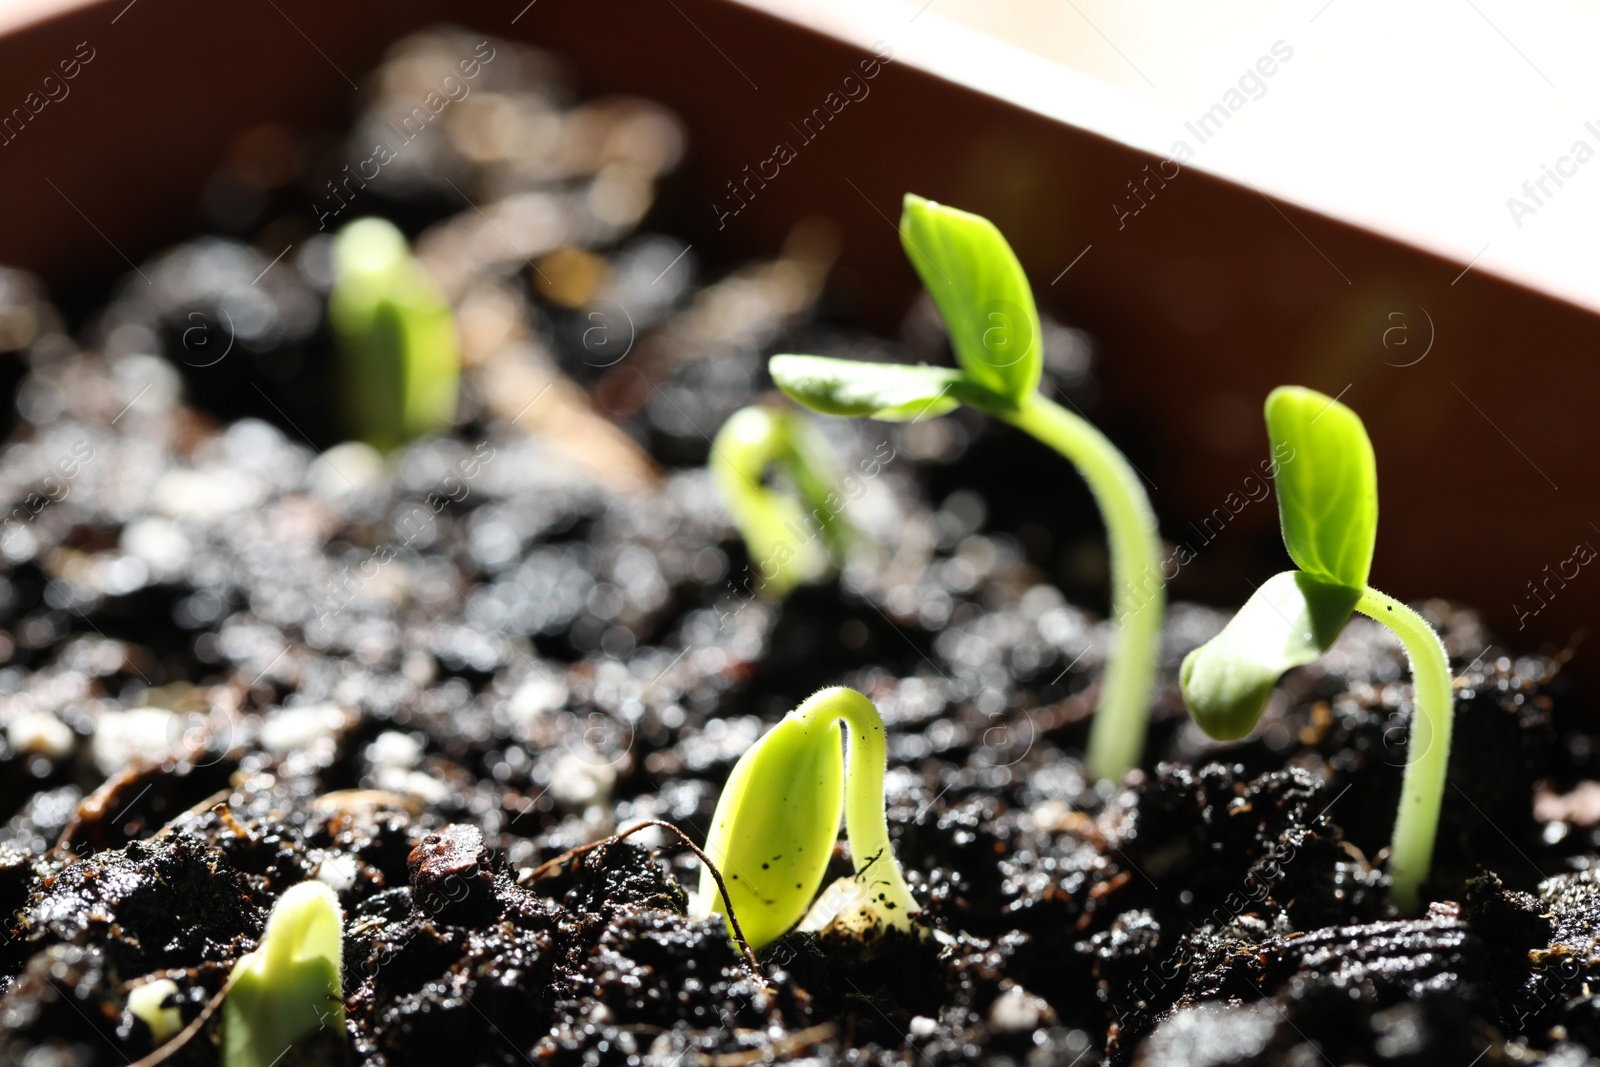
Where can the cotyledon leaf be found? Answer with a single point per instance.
(775, 824)
(1289, 621)
(290, 987)
(982, 293)
(889, 391)
(1327, 484)
(752, 440)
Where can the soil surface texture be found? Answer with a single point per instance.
(238, 652)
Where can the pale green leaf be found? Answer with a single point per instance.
(868, 390)
(290, 987)
(1290, 621)
(148, 1002)
(773, 830)
(780, 528)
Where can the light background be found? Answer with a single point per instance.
(1419, 119)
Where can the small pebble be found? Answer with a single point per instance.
(583, 780)
(160, 543)
(297, 728)
(393, 749)
(450, 874)
(122, 738)
(344, 469)
(536, 696)
(1018, 1011)
(339, 872)
(204, 496)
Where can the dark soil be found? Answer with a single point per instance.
(232, 664)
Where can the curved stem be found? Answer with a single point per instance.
(1138, 592)
(813, 468)
(780, 529)
(1428, 758)
(866, 761)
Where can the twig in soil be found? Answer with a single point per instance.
(811, 1035)
(722, 887)
(225, 813)
(91, 808)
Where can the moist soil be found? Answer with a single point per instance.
(442, 684)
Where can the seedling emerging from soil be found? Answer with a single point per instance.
(778, 817)
(792, 537)
(290, 986)
(988, 310)
(396, 337)
(1328, 509)
(147, 1003)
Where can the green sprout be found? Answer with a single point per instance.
(150, 1003)
(988, 309)
(1328, 509)
(396, 337)
(792, 537)
(290, 986)
(776, 822)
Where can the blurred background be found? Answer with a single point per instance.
(1420, 119)
(1388, 205)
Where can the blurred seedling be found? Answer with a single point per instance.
(779, 481)
(399, 356)
(151, 1003)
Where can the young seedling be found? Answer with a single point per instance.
(1328, 510)
(148, 1003)
(778, 817)
(793, 537)
(988, 309)
(289, 987)
(396, 337)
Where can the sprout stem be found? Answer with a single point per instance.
(866, 761)
(792, 537)
(1428, 757)
(1138, 593)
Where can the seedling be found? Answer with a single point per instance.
(778, 817)
(988, 309)
(149, 1004)
(1328, 510)
(290, 986)
(396, 337)
(795, 536)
